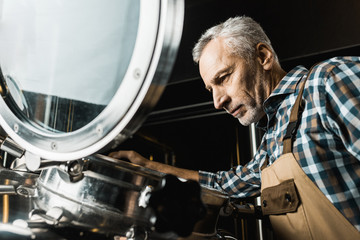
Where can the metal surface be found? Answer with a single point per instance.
(157, 40)
(110, 200)
(21, 219)
(78, 77)
(14, 203)
(109, 197)
(254, 143)
(9, 146)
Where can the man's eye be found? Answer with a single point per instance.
(223, 78)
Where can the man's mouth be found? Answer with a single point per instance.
(236, 112)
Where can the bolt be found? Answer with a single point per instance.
(53, 146)
(99, 130)
(137, 73)
(16, 127)
(22, 192)
(75, 168)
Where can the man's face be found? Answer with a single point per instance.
(235, 86)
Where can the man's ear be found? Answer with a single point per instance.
(264, 56)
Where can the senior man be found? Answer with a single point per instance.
(307, 167)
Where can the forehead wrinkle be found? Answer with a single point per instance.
(212, 63)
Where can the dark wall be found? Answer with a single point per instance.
(297, 28)
(302, 32)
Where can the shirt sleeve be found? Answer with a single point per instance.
(342, 111)
(240, 181)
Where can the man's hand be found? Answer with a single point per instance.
(132, 156)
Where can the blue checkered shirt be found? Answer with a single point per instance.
(327, 143)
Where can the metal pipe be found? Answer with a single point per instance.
(9, 146)
(254, 144)
(7, 189)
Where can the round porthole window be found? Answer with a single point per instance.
(79, 75)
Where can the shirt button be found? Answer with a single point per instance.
(264, 203)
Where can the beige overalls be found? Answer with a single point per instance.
(296, 207)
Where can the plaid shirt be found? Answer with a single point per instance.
(327, 144)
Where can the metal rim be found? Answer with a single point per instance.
(160, 27)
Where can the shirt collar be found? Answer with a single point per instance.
(286, 86)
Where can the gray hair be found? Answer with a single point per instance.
(241, 35)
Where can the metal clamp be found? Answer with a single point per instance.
(145, 196)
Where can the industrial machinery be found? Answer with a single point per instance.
(78, 78)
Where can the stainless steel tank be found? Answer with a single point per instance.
(78, 77)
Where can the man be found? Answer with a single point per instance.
(308, 170)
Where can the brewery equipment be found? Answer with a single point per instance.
(78, 78)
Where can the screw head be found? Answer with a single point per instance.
(53, 146)
(137, 73)
(99, 130)
(16, 128)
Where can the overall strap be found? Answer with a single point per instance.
(294, 121)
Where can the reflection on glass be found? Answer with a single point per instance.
(63, 60)
(13, 91)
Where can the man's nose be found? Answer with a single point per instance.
(219, 98)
